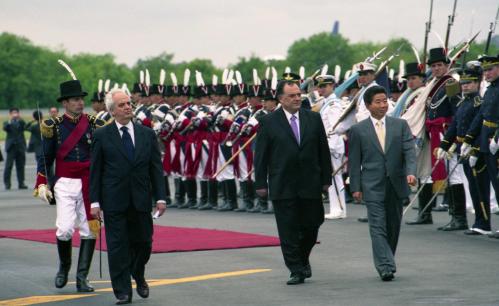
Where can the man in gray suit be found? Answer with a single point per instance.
(382, 165)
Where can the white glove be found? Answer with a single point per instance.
(441, 153)
(493, 147)
(44, 193)
(465, 149)
(157, 126)
(141, 116)
(472, 161)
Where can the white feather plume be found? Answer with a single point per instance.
(239, 78)
(187, 76)
(337, 73)
(124, 87)
(225, 74)
(141, 77)
(401, 71)
(391, 74)
(148, 78)
(199, 79)
(267, 73)
(301, 72)
(66, 66)
(255, 77)
(214, 80)
(162, 77)
(273, 83)
(99, 86)
(324, 69)
(416, 54)
(347, 74)
(274, 71)
(233, 82)
(258, 81)
(174, 79)
(287, 70)
(107, 84)
(440, 40)
(228, 80)
(116, 86)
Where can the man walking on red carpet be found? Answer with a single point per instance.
(125, 174)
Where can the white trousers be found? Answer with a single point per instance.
(337, 192)
(228, 172)
(70, 209)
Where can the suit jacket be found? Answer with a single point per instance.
(15, 134)
(287, 169)
(370, 167)
(117, 182)
(35, 139)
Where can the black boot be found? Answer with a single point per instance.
(230, 199)
(192, 193)
(203, 200)
(269, 210)
(261, 205)
(446, 201)
(87, 247)
(244, 192)
(212, 195)
(168, 194)
(64, 249)
(183, 190)
(424, 217)
(179, 193)
(458, 203)
(249, 200)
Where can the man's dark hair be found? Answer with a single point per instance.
(371, 92)
(37, 115)
(280, 86)
(13, 109)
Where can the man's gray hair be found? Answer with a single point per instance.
(109, 98)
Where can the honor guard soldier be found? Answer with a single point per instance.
(467, 109)
(330, 114)
(485, 124)
(66, 141)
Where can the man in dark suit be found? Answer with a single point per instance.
(382, 165)
(125, 175)
(293, 164)
(15, 147)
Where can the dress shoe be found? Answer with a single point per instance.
(7, 187)
(454, 226)
(421, 220)
(387, 276)
(363, 219)
(476, 231)
(23, 186)
(335, 216)
(142, 289)
(494, 235)
(124, 299)
(307, 271)
(440, 207)
(296, 279)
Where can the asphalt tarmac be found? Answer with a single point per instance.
(433, 267)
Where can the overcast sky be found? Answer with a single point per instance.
(225, 30)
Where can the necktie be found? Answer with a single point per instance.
(127, 142)
(294, 127)
(380, 131)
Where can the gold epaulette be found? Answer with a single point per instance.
(95, 122)
(477, 101)
(48, 126)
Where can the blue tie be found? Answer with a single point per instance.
(127, 142)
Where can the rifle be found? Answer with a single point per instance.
(491, 31)
(427, 31)
(449, 25)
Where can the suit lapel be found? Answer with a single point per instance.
(139, 139)
(116, 139)
(303, 119)
(374, 138)
(388, 133)
(283, 121)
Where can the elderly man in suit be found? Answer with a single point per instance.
(293, 164)
(15, 147)
(126, 174)
(381, 161)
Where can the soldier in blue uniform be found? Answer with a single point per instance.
(467, 109)
(66, 141)
(485, 124)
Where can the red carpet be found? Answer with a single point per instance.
(168, 239)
